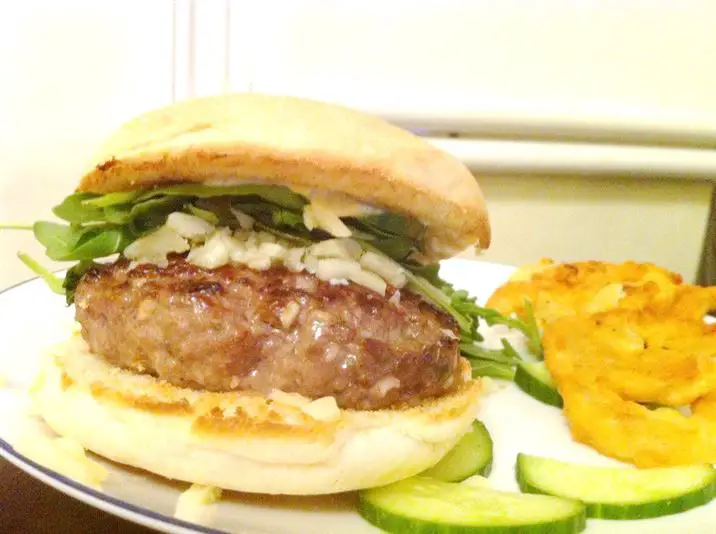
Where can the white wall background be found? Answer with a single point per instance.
(71, 72)
(643, 63)
(638, 72)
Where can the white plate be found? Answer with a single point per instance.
(33, 319)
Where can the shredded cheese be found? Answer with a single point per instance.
(289, 314)
(324, 409)
(194, 504)
(318, 216)
(333, 260)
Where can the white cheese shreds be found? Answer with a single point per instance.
(289, 313)
(242, 235)
(319, 216)
(194, 504)
(395, 299)
(384, 267)
(272, 250)
(309, 220)
(339, 203)
(333, 268)
(311, 263)
(189, 226)
(323, 409)
(252, 243)
(337, 248)
(369, 280)
(214, 253)
(290, 399)
(155, 247)
(64, 456)
(336, 261)
(238, 253)
(293, 259)
(258, 262)
(246, 222)
(385, 384)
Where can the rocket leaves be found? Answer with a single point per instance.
(74, 242)
(99, 226)
(103, 225)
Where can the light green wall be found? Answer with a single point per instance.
(597, 218)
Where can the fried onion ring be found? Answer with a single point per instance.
(606, 364)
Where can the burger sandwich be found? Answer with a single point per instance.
(256, 289)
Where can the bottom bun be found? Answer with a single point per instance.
(277, 444)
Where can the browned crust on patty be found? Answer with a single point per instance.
(222, 330)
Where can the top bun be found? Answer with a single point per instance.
(302, 143)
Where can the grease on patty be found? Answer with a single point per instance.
(234, 328)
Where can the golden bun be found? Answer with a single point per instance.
(276, 444)
(302, 143)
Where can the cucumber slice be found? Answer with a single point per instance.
(534, 379)
(619, 492)
(422, 505)
(471, 456)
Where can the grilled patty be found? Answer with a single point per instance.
(234, 328)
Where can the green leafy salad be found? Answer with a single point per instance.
(98, 226)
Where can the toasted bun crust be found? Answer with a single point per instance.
(281, 444)
(297, 142)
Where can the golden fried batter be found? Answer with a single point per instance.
(616, 337)
(605, 364)
(630, 432)
(561, 290)
(644, 356)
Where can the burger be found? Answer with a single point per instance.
(257, 298)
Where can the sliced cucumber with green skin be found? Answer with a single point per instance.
(619, 492)
(471, 456)
(422, 505)
(534, 379)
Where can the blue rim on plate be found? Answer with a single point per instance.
(131, 512)
(18, 460)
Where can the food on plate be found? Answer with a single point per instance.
(255, 279)
(626, 352)
(422, 504)
(618, 492)
(556, 290)
(609, 365)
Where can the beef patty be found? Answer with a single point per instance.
(234, 328)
